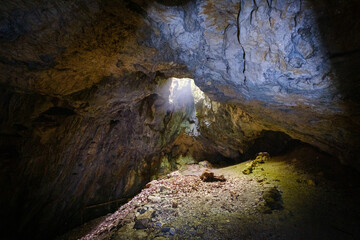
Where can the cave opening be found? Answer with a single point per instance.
(185, 90)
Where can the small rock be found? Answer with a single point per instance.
(174, 204)
(159, 238)
(150, 183)
(136, 204)
(310, 182)
(264, 154)
(261, 158)
(144, 220)
(247, 171)
(165, 229)
(174, 174)
(273, 199)
(205, 164)
(208, 176)
(172, 231)
(142, 210)
(162, 189)
(141, 223)
(154, 199)
(261, 180)
(149, 213)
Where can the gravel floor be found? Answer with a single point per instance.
(287, 197)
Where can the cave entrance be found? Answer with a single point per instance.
(208, 131)
(184, 96)
(184, 90)
(194, 142)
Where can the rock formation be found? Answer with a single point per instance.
(85, 118)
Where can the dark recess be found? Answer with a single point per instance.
(59, 111)
(275, 143)
(173, 2)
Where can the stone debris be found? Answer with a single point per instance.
(154, 199)
(208, 176)
(161, 207)
(264, 154)
(143, 220)
(174, 204)
(277, 203)
(205, 164)
(273, 200)
(261, 158)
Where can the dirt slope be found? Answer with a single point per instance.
(294, 196)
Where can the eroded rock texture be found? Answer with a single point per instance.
(269, 57)
(60, 160)
(84, 117)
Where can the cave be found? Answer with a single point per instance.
(180, 119)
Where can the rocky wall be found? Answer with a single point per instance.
(291, 65)
(66, 161)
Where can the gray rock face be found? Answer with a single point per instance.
(274, 59)
(261, 51)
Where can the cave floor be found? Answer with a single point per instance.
(301, 195)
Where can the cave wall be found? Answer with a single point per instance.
(83, 121)
(225, 134)
(296, 61)
(280, 61)
(59, 161)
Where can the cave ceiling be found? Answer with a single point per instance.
(291, 64)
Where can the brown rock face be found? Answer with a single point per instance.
(77, 162)
(84, 113)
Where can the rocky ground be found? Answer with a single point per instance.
(301, 195)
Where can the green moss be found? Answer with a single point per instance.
(273, 199)
(168, 165)
(250, 167)
(164, 168)
(182, 161)
(165, 164)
